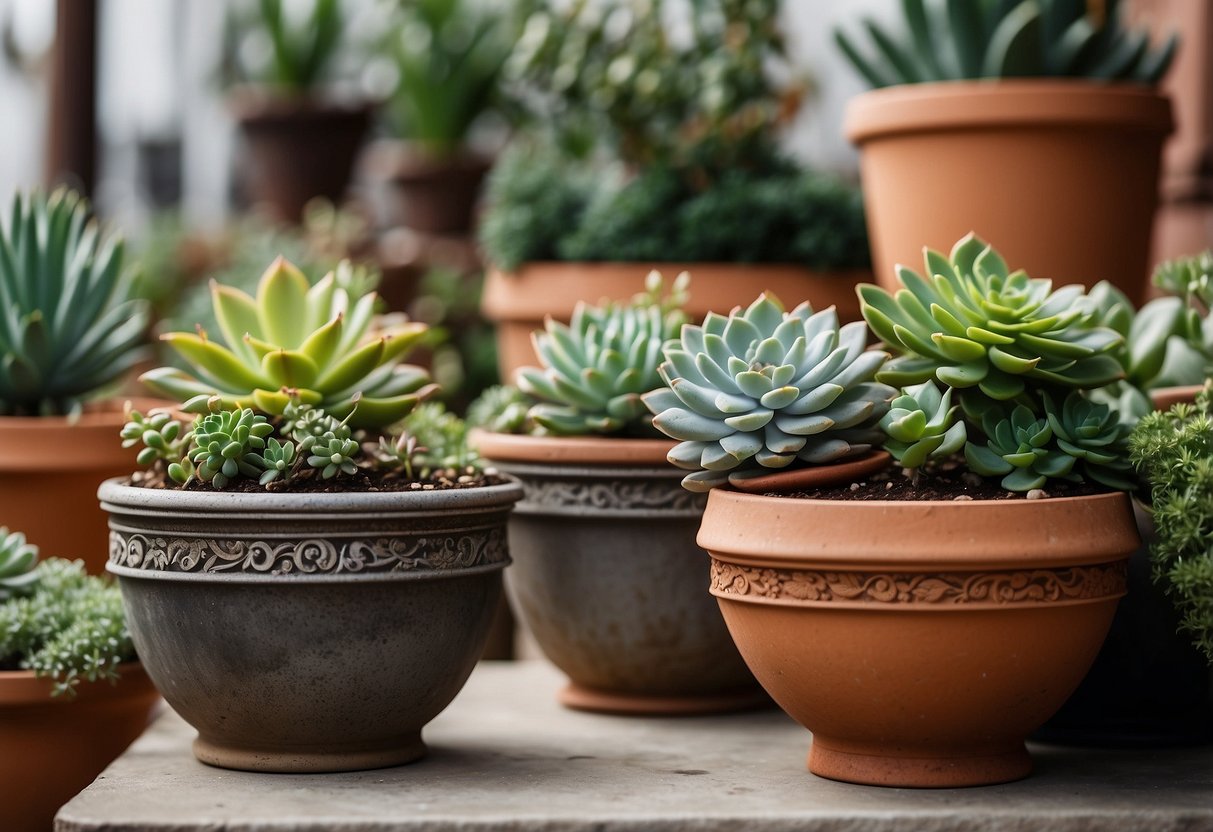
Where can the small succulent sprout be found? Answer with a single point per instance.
(298, 343)
(399, 454)
(226, 444)
(163, 437)
(1094, 434)
(655, 294)
(596, 368)
(972, 323)
(276, 460)
(308, 425)
(17, 562)
(500, 409)
(182, 471)
(332, 454)
(922, 425)
(444, 437)
(764, 388)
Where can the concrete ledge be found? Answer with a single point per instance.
(504, 757)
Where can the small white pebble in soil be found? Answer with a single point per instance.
(1037, 494)
(490, 471)
(414, 486)
(854, 486)
(464, 478)
(962, 498)
(888, 486)
(429, 486)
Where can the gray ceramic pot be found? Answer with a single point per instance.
(609, 580)
(313, 632)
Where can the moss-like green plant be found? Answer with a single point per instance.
(958, 39)
(972, 323)
(163, 438)
(69, 321)
(442, 439)
(295, 342)
(501, 408)
(922, 425)
(596, 368)
(226, 445)
(17, 562)
(763, 388)
(70, 628)
(1173, 452)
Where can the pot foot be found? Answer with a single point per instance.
(317, 760)
(581, 698)
(942, 772)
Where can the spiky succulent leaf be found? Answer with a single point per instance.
(226, 445)
(17, 562)
(922, 425)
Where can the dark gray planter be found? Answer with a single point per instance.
(309, 632)
(608, 578)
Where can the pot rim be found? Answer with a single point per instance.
(23, 439)
(967, 105)
(23, 687)
(573, 450)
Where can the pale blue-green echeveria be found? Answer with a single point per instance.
(17, 562)
(973, 323)
(312, 344)
(922, 425)
(763, 388)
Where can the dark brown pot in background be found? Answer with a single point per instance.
(431, 194)
(298, 149)
(1059, 176)
(52, 747)
(517, 302)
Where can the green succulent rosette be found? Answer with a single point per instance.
(922, 424)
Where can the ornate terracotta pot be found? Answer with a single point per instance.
(309, 632)
(920, 642)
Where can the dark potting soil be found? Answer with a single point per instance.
(949, 481)
(309, 481)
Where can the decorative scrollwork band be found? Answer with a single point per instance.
(618, 494)
(309, 556)
(1028, 586)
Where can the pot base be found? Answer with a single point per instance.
(581, 698)
(397, 752)
(918, 772)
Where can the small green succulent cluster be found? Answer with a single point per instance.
(1007, 348)
(70, 323)
(67, 625)
(764, 388)
(17, 562)
(501, 408)
(964, 39)
(1173, 453)
(596, 368)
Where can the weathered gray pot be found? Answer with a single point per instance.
(313, 632)
(609, 580)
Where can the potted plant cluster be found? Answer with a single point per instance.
(607, 575)
(305, 588)
(72, 695)
(921, 625)
(1050, 104)
(301, 132)
(70, 329)
(650, 150)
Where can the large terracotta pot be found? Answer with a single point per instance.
(298, 148)
(919, 642)
(49, 472)
(517, 302)
(608, 578)
(309, 632)
(1060, 176)
(52, 747)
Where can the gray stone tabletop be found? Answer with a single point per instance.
(505, 756)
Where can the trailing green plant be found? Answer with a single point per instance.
(292, 52)
(69, 627)
(70, 323)
(595, 369)
(763, 389)
(922, 425)
(1173, 453)
(966, 39)
(502, 408)
(17, 562)
(315, 344)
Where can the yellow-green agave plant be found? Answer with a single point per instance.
(297, 342)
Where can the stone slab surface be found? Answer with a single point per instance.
(505, 756)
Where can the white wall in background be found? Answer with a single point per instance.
(29, 25)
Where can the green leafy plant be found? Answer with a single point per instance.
(69, 322)
(162, 438)
(764, 388)
(964, 39)
(226, 445)
(298, 50)
(501, 409)
(17, 562)
(330, 446)
(69, 627)
(315, 344)
(1173, 452)
(922, 425)
(276, 460)
(399, 455)
(441, 440)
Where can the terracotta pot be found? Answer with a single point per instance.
(298, 149)
(435, 195)
(1060, 176)
(609, 580)
(1164, 398)
(919, 642)
(49, 473)
(517, 302)
(52, 747)
(309, 632)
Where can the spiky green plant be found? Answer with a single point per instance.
(500, 409)
(302, 47)
(69, 321)
(972, 323)
(764, 388)
(398, 455)
(596, 368)
(315, 345)
(444, 437)
(162, 437)
(958, 39)
(17, 562)
(922, 425)
(225, 444)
